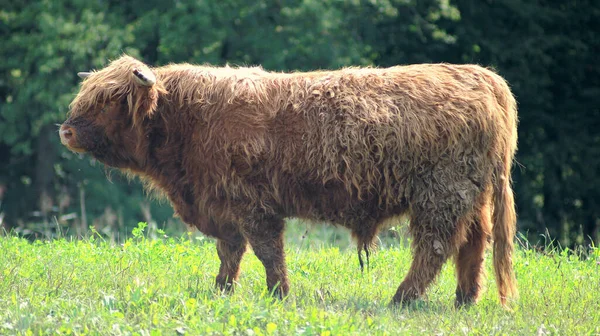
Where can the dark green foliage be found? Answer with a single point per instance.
(546, 49)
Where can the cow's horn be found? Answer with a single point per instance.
(145, 79)
(83, 74)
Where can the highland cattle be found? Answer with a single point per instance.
(237, 150)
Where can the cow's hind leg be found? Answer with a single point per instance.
(437, 229)
(230, 253)
(430, 252)
(470, 257)
(266, 238)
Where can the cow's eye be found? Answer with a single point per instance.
(104, 108)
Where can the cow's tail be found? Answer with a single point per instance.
(504, 215)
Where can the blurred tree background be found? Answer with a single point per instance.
(547, 49)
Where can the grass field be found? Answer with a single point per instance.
(165, 287)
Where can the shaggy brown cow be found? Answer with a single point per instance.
(238, 150)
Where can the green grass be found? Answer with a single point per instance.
(154, 287)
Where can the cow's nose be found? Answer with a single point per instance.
(66, 134)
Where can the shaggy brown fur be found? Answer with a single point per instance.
(237, 150)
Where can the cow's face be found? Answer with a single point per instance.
(108, 116)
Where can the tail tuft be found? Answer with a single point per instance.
(504, 233)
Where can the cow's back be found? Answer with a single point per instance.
(365, 134)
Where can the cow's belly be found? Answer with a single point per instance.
(335, 204)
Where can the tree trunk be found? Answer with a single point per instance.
(552, 221)
(43, 179)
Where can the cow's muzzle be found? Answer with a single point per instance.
(68, 137)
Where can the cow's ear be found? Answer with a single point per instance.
(145, 95)
(144, 77)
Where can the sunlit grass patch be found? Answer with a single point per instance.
(152, 287)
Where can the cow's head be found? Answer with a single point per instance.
(108, 117)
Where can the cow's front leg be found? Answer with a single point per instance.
(230, 253)
(265, 235)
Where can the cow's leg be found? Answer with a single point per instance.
(430, 252)
(438, 213)
(230, 253)
(266, 238)
(470, 257)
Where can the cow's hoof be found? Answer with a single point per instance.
(224, 286)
